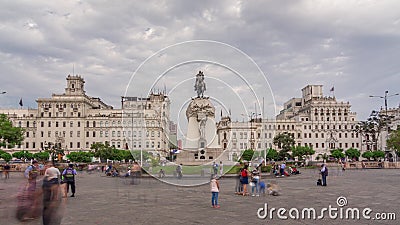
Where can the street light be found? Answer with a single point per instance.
(384, 97)
(251, 127)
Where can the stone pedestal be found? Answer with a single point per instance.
(201, 143)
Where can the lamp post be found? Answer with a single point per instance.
(251, 116)
(385, 97)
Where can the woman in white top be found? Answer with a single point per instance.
(214, 184)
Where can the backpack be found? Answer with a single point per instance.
(69, 174)
(244, 173)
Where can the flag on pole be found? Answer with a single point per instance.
(333, 88)
(20, 103)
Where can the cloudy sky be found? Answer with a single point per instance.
(250, 51)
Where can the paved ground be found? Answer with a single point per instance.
(106, 200)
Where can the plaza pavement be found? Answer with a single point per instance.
(107, 200)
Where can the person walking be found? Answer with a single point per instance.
(221, 169)
(69, 178)
(245, 179)
(28, 202)
(282, 169)
(214, 184)
(51, 196)
(324, 174)
(7, 171)
(179, 171)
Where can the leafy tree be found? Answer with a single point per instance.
(84, 157)
(324, 157)
(301, 151)
(272, 154)
(10, 135)
(394, 141)
(102, 151)
(41, 156)
(378, 154)
(55, 150)
(352, 153)
(372, 127)
(337, 153)
(368, 155)
(23, 155)
(285, 142)
(5, 156)
(247, 155)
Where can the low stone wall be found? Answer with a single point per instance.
(373, 165)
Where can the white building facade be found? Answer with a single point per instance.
(79, 121)
(313, 120)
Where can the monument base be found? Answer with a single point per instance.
(199, 157)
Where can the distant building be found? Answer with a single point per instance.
(313, 120)
(78, 121)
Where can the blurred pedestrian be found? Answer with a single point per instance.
(7, 168)
(324, 174)
(51, 196)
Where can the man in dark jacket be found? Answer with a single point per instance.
(324, 173)
(69, 178)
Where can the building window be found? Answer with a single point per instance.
(71, 133)
(79, 124)
(71, 124)
(316, 135)
(113, 134)
(94, 133)
(118, 133)
(49, 124)
(64, 124)
(78, 133)
(70, 145)
(27, 134)
(94, 123)
(323, 145)
(87, 133)
(87, 144)
(322, 135)
(49, 134)
(87, 123)
(316, 145)
(106, 133)
(78, 144)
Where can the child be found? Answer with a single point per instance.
(262, 187)
(273, 189)
(255, 178)
(214, 184)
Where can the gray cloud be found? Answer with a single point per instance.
(352, 45)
